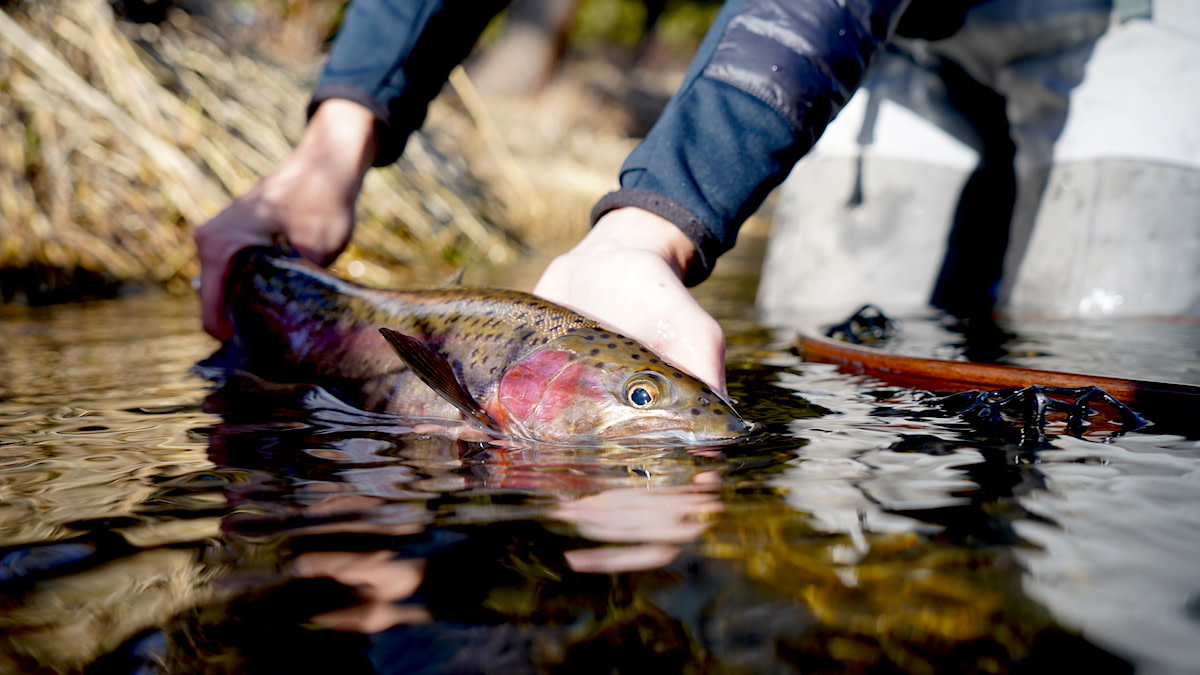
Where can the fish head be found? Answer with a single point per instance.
(593, 385)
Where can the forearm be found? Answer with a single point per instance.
(340, 140)
(766, 82)
(393, 56)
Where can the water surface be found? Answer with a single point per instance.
(149, 525)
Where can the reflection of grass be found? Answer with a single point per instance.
(900, 598)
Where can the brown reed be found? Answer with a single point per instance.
(117, 139)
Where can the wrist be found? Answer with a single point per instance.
(340, 139)
(632, 227)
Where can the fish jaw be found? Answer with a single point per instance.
(577, 390)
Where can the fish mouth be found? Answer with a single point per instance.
(644, 430)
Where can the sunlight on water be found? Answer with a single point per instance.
(858, 529)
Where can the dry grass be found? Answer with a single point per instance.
(117, 139)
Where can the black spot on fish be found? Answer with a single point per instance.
(635, 356)
(595, 352)
(695, 411)
(612, 345)
(653, 360)
(629, 343)
(589, 337)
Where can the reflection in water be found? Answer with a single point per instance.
(147, 525)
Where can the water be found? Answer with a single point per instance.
(145, 523)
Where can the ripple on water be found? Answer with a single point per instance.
(853, 530)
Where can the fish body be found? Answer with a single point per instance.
(514, 363)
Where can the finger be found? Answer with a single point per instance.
(711, 365)
(694, 342)
(213, 312)
(216, 243)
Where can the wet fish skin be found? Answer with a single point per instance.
(542, 372)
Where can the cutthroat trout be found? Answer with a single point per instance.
(511, 363)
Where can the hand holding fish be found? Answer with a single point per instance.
(626, 274)
(309, 199)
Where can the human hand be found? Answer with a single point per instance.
(309, 199)
(381, 581)
(649, 525)
(626, 274)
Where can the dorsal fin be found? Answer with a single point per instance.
(435, 371)
(456, 279)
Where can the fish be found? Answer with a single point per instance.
(509, 363)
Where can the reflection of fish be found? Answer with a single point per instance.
(513, 363)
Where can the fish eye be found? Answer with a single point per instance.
(643, 392)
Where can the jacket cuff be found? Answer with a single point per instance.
(708, 247)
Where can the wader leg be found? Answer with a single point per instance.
(973, 266)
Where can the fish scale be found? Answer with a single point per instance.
(511, 361)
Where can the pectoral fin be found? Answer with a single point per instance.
(435, 371)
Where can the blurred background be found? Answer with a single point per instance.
(124, 124)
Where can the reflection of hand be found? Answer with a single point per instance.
(639, 515)
(309, 199)
(340, 512)
(655, 520)
(381, 581)
(626, 274)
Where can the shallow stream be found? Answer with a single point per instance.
(147, 525)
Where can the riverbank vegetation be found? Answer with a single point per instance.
(126, 124)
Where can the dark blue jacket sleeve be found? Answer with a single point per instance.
(767, 80)
(393, 56)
